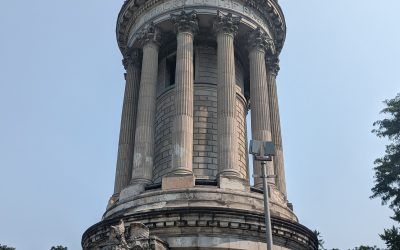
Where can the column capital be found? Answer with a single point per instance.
(186, 21)
(131, 58)
(150, 34)
(273, 64)
(227, 23)
(257, 39)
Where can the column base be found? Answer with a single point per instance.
(132, 190)
(113, 199)
(178, 182)
(233, 183)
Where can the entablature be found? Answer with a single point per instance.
(265, 14)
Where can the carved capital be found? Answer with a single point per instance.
(131, 58)
(257, 39)
(227, 23)
(150, 34)
(273, 64)
(186, 21)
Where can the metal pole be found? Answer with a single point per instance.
(268, 229)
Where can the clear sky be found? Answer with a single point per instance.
(61, 90)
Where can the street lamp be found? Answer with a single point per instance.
(263, 151)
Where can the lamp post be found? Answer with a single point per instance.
(263, 151)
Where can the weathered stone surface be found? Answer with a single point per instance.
(131, 191)
(233, 183)
(178, 182)
(205, 149)
(198, 222)
(200, 197)
(136, 236)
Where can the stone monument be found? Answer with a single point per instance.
(193, 70)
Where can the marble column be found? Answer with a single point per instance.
(226, 27)
(186, 24)
(128, 122)
(142, 170)
(260, 113)
(279, 167)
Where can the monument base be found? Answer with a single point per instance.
(202, 217)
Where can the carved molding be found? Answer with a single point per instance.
(269, 9)
(227, 23)
(186, 21)
(134, 237)
(250, 225)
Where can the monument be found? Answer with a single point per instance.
(194, 68)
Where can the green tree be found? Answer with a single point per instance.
(6, 247)
(387, 168)
(321, 241)
(366, 248)
(59, 248)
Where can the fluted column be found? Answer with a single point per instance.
(182, 135)
(279, 167)
(226, 28)
(128, 122)
(144, 139)
(260, 113)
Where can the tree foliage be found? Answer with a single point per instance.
(392, 238)
(387, 168)
(366, 248)
(59, 248)
(4, 247)
(321, 241)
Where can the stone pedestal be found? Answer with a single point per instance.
(233, 183)
(178, 182)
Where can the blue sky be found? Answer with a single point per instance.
(61, 90)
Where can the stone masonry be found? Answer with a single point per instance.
(194, 70)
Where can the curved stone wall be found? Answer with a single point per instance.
(205, 150)
(217, 219)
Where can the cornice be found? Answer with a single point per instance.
(270, 9)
